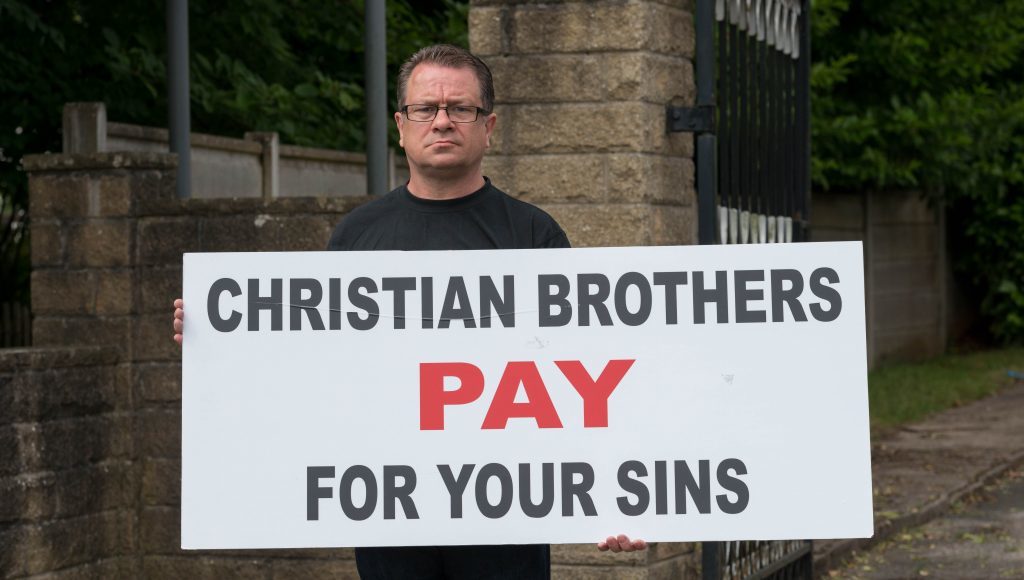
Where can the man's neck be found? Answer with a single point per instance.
(427, 187)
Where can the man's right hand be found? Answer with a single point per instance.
(179, 320)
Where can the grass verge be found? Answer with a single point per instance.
(909, 392)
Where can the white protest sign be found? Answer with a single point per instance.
(525, 396)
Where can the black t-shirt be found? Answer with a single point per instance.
(483, 220)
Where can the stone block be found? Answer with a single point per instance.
(159, 433)
(607, 127)
(193, 567)
(603, 224)
(162, 240)
(652, 78)
(153, 338)
(149, 187)
(121, 567)
(657, 551)
(105, 243)
(73, 542)
(550, 178)
(11, 407)
(681, 566)
(13, 547)
(248, 233)
(602, 76)
(76, 492)
(533, 78)
(57, 195)
(13, 498)
(159, 287)
(601, 26)
(161, 482)
(110, 194)
(291, 569)
(47, 238)
(562, 572)
(486, 30)
(63, 292)
(70, 392)
(65, 443)
(650, 178)
(302, 233)
(79, 331)
(673, 226)
(160, 532)
(589, 555)
(115, 292)
(158, 383)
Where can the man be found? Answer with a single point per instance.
(445, 120)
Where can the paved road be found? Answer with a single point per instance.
(977, 539)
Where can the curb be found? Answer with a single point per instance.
(840, 552)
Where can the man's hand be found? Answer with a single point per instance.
(179, 319)
(621, 543)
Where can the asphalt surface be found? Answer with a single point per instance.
(948, 498)
(980, 537)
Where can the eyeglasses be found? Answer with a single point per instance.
(456, 113)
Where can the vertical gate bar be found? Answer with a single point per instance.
(762, 113)
(705, 141)
(744, 134)
(776, 133)
(711, 560)
(769, 131)
(804, 119)
(723, 116)
(734, 151)
(788, 156)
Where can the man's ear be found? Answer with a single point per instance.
(492, 119)
(398, 123)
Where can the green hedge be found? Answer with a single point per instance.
(929, 94)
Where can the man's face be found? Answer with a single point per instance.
(441, 147)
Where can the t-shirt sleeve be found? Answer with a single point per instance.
(551, 235)
(337, 237)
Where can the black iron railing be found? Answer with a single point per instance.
(752, 126)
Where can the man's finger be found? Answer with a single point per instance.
(179, 303)
(179, 326)
(179, 313)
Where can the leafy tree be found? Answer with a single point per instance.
(929, 95)
(291, 66)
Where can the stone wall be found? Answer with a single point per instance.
(68, 478)
(92, 418)
(911, 313)
(107, 240)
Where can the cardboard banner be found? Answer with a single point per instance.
(527, 396)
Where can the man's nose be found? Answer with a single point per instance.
(442, 122)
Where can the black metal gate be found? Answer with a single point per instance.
(753, 176)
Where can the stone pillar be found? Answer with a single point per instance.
(581, 94)
(581, 91)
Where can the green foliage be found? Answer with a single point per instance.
(929, 95)
(291, 66)
(910, 392)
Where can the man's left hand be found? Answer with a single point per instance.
(621, 543)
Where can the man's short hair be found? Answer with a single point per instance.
(452, 57)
